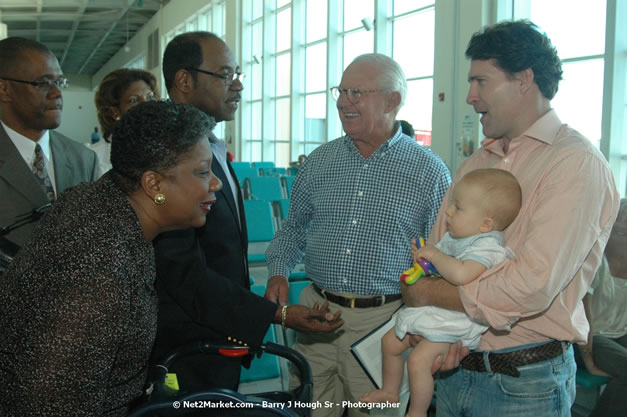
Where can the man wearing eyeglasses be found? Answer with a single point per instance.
(36, 163)
(355, 206)
(202, 274)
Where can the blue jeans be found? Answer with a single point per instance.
(544, 388)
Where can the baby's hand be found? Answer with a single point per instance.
(414, 249)
(426, 252)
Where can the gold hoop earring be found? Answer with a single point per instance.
(159, 199)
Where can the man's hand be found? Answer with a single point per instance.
(456, 353)
(588, 361)
(316, 319)
(277, 289)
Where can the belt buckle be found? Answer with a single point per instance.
(352, 302)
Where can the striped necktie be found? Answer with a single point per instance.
(41, 173)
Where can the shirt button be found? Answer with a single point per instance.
(348, 251)
(354, 221)
(506, 160)
(360, 193)
(345, 281)
(365, 165)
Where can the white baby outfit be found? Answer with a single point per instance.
(441, 325)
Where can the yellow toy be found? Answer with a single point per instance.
(422, 268)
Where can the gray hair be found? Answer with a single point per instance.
(391, 78)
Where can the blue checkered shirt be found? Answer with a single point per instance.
(353, 218)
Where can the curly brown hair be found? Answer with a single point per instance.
(110, 91)
(516, 46)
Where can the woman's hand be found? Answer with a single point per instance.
(309, 320)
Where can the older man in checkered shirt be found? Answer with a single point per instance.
(355, 205)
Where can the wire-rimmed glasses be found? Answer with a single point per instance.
(138, 98)
(352, 94)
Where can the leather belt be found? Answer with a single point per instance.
(357, 302)
(506, 363)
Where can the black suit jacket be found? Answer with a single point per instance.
(204, 292)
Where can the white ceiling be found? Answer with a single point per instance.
(83, 34)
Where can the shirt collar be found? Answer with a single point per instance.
(386, 145)
(544, 129)
(218, 147)
(26, 146)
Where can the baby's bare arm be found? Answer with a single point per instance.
(455, 271)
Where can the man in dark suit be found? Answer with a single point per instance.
(202, 274)
(30, 106)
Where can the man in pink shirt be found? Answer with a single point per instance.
(533, 303)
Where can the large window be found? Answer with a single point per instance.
(278, 142)
(137, 63)
(252, 56)
(414, 31)
(267, 97)
(579, 101)
(592, 96)
(293, 51)
(296, 50)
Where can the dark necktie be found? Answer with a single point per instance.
(41, 173)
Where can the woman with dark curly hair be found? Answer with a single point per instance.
(119, 91)
(79, 307)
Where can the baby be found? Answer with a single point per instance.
(484, 203)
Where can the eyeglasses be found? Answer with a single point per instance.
(136, 99)
(61, 83)
(229, 78)
(352, 94)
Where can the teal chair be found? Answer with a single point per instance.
(293, 295)
(260, 225)
(587, 380)
(240, 164)
(273, 172)
(245, 172)
(287, 185)
(263, 164)
(284, 207)
(266, 366)
(297, 276)
(589, 388)
(264, 188)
